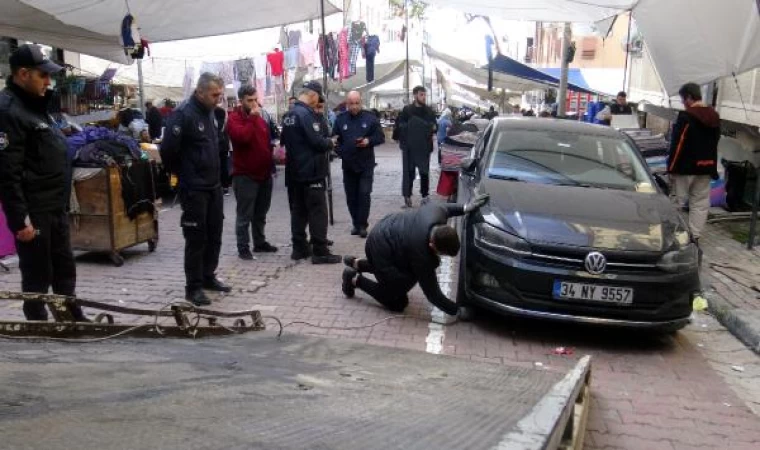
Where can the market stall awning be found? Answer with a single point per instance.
(688, 41)
(506, 65)
(603, 81)
(94, 27)
(480, 75)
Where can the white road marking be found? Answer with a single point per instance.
(436, 331)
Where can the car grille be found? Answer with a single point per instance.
(616, 261)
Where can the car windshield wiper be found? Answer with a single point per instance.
(578, 184)
(506, 177)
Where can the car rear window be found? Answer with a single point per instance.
(567, 159)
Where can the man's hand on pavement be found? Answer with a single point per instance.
(27, 234)
(476, 203)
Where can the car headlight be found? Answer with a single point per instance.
(682, 260)
(496, 239)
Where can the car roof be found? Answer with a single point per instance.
(546, 124)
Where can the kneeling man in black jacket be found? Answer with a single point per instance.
(404, 249)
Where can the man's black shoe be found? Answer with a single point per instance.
(325, 259)
(245, 254)
(363, 233)
(330, 243)
(215, 285)
(197, 297)
(407, 202)
(354, 231)
(350, 261)
(349, 290)
(300, 254)
(266, 247)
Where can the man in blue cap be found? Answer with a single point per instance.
(305, 174)
(34, 181)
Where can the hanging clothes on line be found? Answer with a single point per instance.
(291, 58)
(284, 41)
(188, 82)
(260, 71)
(276, 61)
(328, 54)
(307, 54)
(371, 48)
(358, 30)
(343, 66)
(245, 72)
(294, 38)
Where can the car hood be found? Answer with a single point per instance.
(582, 217)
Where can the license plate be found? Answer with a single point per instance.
(593, 292)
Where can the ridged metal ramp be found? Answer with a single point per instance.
(257, 392)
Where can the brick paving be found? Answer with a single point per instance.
(647, 392)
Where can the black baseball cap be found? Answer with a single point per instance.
(315, 86)
(31, 56)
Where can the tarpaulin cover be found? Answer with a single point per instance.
(688, 41)
(506, 65)
(93, 27)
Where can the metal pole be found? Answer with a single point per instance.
(406, 37)
(753, 221)
(562, 94)
(327, 105)
(141, 86)
(627, 50)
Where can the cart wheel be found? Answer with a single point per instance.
(116, 259)
(152, 244)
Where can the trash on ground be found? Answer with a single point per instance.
(738, 368)
(699, 303)
(563, 351)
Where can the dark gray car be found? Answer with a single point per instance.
(576, 229)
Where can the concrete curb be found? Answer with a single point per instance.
(741, 323)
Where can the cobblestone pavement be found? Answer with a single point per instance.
(694, 390)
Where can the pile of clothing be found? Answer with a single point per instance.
(99, 146)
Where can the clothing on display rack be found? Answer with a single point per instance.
(328, 54)
(358, 30)
(188, 82)
(225, 70)
(294, 38)
(245, 72)
(307, 53)
(343, 66)
(284, 41)
(291, 58)
(276, 61)
(371, 48)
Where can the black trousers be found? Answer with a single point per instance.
(308, 206)
(358, 186)
(391, 287)
(202, 223)
(253, 201)
(413, 163)
(224, 169)
(48, 261)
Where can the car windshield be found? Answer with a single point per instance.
(567, 159)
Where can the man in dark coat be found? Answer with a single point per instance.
(693, 156)
(35, 181)
(220, 114)
(304, 138)
(155, 120)
(191, 150)
(404, 249)
(416, 126)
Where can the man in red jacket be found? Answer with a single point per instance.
(251, 172)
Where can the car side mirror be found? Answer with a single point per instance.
(468, 164)
(661, 179)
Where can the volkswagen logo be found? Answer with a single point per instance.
(595, 263)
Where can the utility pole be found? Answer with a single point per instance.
(562, 94)
(406, 38)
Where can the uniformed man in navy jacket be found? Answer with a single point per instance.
(191, 150)
(358, 133)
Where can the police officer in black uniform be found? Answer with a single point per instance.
(191, 150)
(358, 133)
(305, 175)
(34, 181)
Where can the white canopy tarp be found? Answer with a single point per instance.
(94, 27)
(689, 41)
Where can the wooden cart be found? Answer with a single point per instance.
(101, 223)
